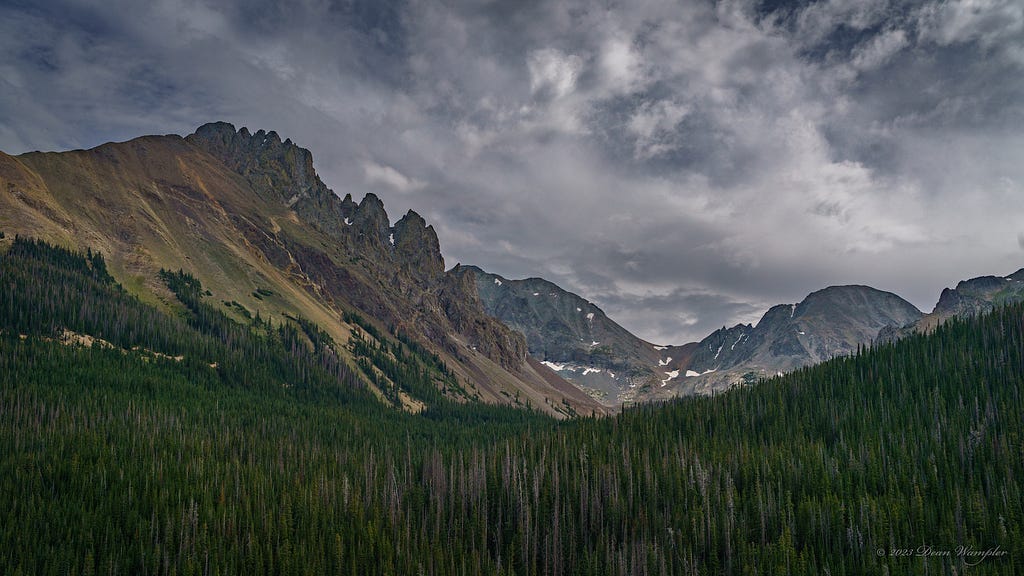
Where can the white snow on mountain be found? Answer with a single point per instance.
(738, 340)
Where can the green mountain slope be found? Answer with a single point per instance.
(139, 456)
(247, 215)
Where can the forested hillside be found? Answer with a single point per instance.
(137, 441)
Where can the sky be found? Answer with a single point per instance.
(683, 165)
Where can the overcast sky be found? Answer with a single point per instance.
(684, 165)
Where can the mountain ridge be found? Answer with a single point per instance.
(832, 321)
(247, 214)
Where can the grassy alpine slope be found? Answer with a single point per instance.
(192, 444)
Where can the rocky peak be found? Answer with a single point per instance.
(829, 322)
(980, 285)
(348, 206)
(778, 314)
(864, 305)
(217, 137)
(278, 171)
(417, 247)
(370, 218)
(949, 302)
(979, 295)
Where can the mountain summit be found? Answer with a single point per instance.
(247, 215)
(831, 322)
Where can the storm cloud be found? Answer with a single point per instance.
(682, 165)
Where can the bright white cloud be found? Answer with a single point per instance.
(553, 73)
(381, 174)
(621, 65)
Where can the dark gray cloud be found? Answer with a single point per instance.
(683, 165)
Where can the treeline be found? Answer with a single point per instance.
(116, 463)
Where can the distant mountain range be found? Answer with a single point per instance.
(247, 215)
(574, 337)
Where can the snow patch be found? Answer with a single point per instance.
(792, 310)
(391, 238)
(498, 282)
(800, 332)
(691, 373)
(348, 222)
(660, 348)
(579, 309)
(590, 316)
(536, 293)
(671, 375)
(738, 340)
(595, 343)
(719, 351)
(575, 369)
(665, 361)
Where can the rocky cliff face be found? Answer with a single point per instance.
(572, 336)
(248, 215)
(416, 248)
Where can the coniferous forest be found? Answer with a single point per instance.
(137, 440)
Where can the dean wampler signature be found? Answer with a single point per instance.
(971, 556)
